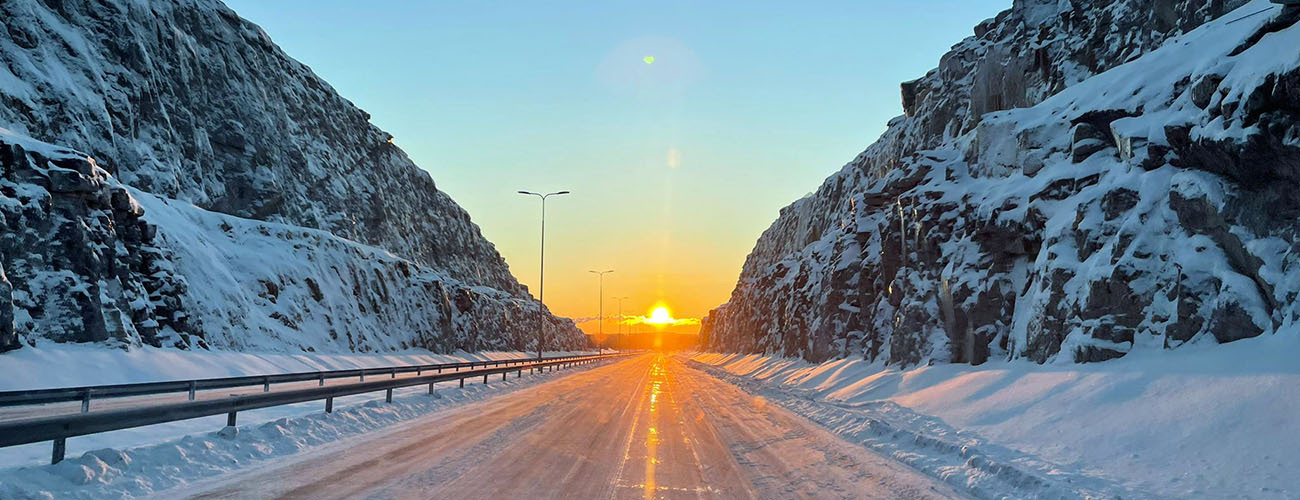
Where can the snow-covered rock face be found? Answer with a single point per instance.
(187, 100)
(206, 189)
(1077, 180)
(268, 286)
(79, 263)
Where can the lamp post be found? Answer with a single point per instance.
(600, 326)
(620, 317)
(541, 273)
(620, 312)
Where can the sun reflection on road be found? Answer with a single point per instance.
(657, 379)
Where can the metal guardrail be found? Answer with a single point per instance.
(85, 393)
(61, 427)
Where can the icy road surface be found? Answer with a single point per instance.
(647, 427)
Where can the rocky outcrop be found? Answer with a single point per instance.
(186, 100)
(80, 263)
(172, 178)
(1074, 182)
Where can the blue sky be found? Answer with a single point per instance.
(676, 166)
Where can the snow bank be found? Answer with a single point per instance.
(94, 365)
(88, 365)
(117, 467)
(1202, 422)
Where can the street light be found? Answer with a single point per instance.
(541, 273)
(620, 317)
(620, 312)
(600, 326)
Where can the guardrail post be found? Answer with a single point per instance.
(329, 405)
(322, 379)
(394, 373)
(419, 370)
(519, 374)
(363, 375)
(266, 384)
(462, 383)
(388, 397)
(430, 388)
(503, 375)
(230, 419)
(85, 404)
(60, 448)
(194, 385)
(484, 379)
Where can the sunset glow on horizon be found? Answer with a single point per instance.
(681, 128)
(659, 318)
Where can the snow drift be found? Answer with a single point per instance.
(1205, 421)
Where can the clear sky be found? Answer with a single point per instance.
(676, 166)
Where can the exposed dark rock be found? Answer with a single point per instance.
(1094, 354)
(909, 96)
(315, 290)
(1198, 216)
(8, 338)
(464, 300)
(1267, 162)
(1087, 147)
(1116, 202)
(69, 182)
(77, 260)
(1088, 140)
(1230, 322)
(1187, 324)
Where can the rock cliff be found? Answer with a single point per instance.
(1077, 180)
(147, 145)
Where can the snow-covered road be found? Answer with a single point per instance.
(648, 427)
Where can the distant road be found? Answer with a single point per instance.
(647, 427)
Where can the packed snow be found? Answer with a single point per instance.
(1205, 421)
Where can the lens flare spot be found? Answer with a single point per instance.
(649, 59)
